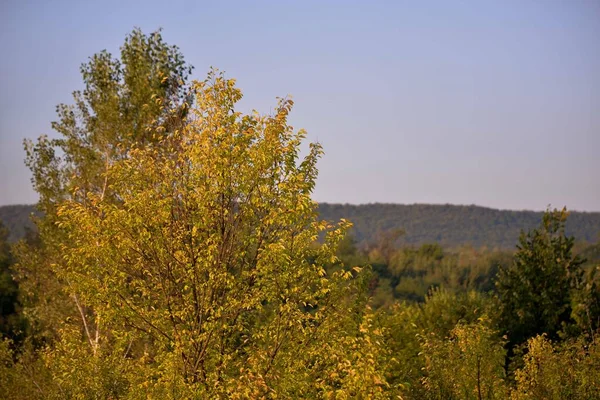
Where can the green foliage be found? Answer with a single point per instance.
(444, 310)
(23, 375)
(422, 339)
(12, 324)
(555, 372)
(45, 303)
(402, 328)
(412, 272)
(535, 292)
(468, 364)
(585, 302)
(449, 347)
(134, 100)
(128, 102)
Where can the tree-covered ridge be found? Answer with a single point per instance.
(448, 225)
(452, 225)
(17, 220)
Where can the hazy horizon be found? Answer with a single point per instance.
(472, 103)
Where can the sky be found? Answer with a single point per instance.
(494, 103)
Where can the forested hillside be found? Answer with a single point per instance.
(451, 225)
(448, 225)
(17, 219)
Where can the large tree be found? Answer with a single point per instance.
(205, 272)
(178, 251)
(127, 102)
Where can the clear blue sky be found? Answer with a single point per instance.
(495, 103)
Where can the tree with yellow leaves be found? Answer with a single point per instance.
(197, 269)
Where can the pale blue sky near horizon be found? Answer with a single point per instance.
(494, 103)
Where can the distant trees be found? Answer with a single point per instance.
(451, 225)
(410, 272)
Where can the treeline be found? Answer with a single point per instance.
(447, 225)
(403, 272)
(452, 225)
(179, 255)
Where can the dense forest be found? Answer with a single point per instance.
(178, 254)
(447, 225)
(452, 225)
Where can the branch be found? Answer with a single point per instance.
(85, 325)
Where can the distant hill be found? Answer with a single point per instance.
(17, 219)
(452, 225)
(448, 225)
